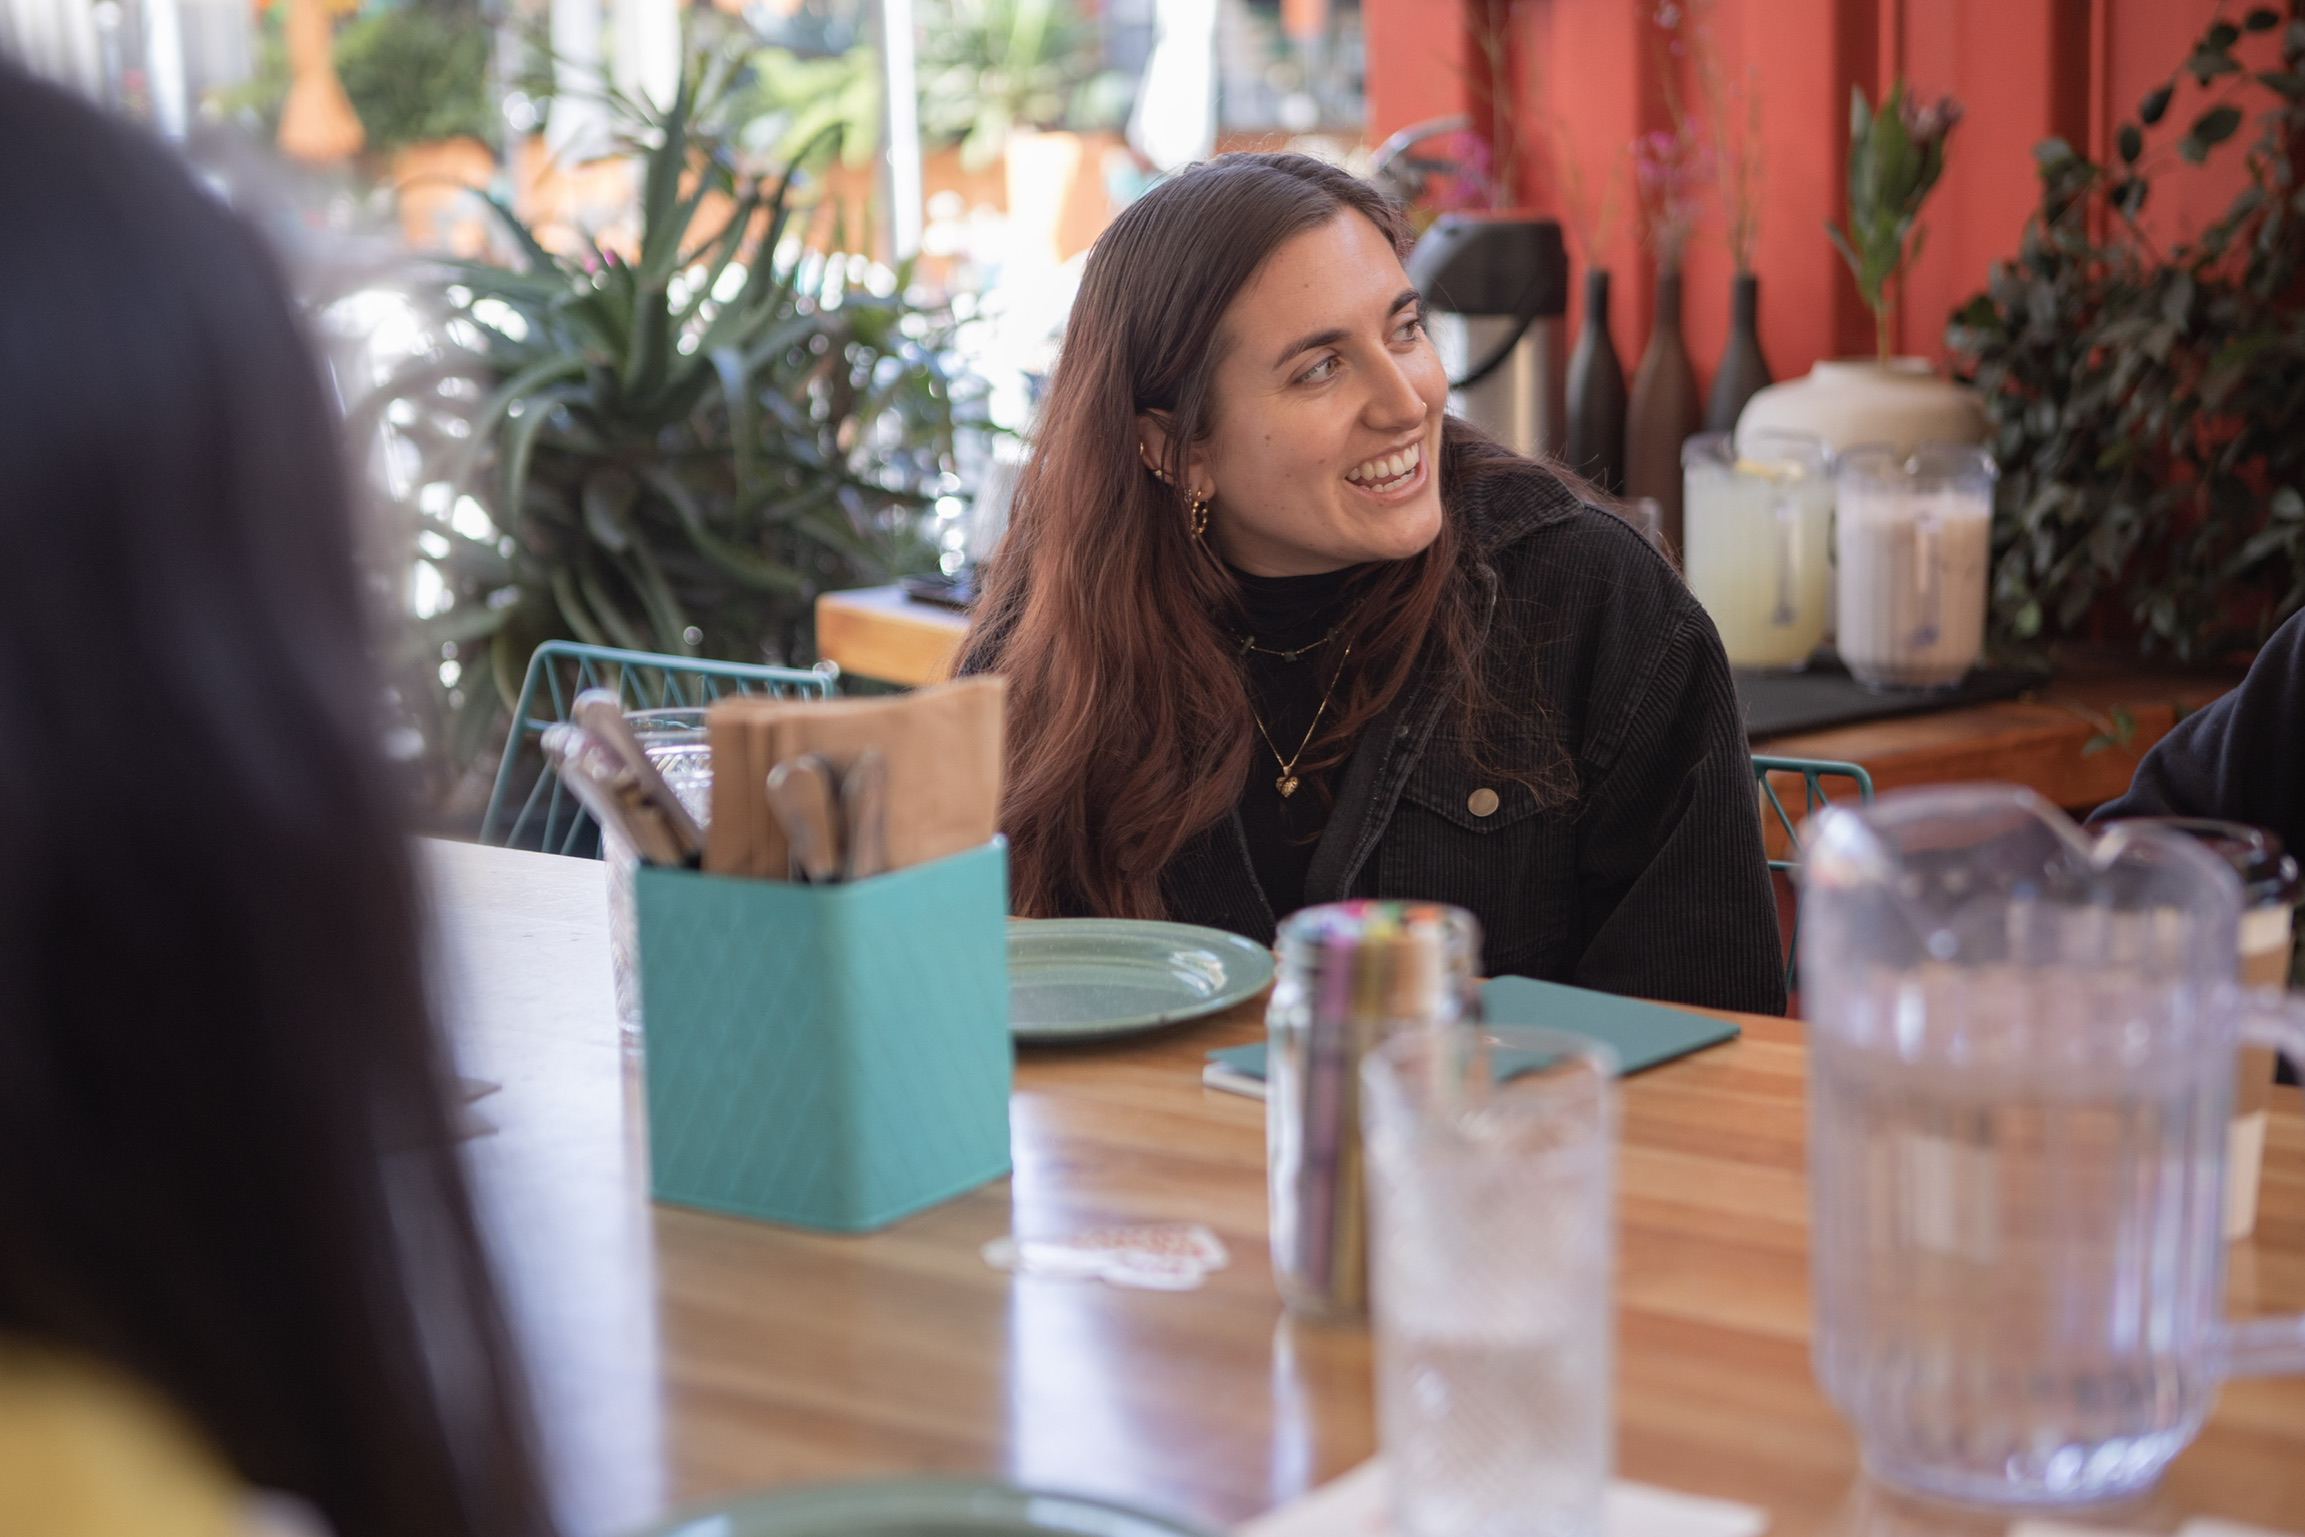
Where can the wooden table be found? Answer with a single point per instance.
(2064, 740)
(685, 1355)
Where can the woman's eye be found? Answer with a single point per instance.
(1410, 329)
(1326, 368)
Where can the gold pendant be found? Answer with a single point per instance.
(1287, 785)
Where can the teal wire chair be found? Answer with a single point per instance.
(1814, 772)
(548, 817)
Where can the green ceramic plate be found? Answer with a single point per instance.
(1077, 979)
(927, 1507)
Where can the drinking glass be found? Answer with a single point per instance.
(1492, 1153)
(675, 742)
(1913, 542)
(2023, 1043)
(1756, 541)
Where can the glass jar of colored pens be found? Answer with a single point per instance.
(1352, 974)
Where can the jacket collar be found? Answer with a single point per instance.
(1501, 507)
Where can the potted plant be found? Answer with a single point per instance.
(1018, 81)
(671, 450)
(402, 85)
(2143, 394)
(1896, 154)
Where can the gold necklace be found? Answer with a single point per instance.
(1249, 643)
(1287, 782)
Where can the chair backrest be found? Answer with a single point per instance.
(1814, 772)
(548, 817)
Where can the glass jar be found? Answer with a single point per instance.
(1352, 974)
(675, 742)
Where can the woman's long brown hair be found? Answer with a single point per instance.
(1129, 726)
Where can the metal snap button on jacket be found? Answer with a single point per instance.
(1481, 802)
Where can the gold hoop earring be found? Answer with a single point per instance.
(1197, 511)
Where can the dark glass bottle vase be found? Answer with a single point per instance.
(1663, 413)
(1596, 394)
(1744, 371)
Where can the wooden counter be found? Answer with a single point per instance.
(878, 632)
(2075, 740)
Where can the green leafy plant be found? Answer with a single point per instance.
(831, 103)
(1895, 158)
(671, 451)
(418, 70)
(2144, 401)
(414, 70)
(989, 67)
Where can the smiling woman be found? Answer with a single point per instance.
(1278, 630)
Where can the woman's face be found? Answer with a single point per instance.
(1326, 410)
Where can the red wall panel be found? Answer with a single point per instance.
(1590, 75)
(2003, 59)
(1415, 68)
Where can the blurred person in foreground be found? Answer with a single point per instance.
(1278, 630)
(242, 1287)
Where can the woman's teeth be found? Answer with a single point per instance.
(1383, 473)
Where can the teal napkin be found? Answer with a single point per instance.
(1643, 1034)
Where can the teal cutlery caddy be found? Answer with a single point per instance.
(828, 1056)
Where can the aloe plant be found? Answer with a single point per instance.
(674, 450)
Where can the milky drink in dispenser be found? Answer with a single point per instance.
(1912, 544)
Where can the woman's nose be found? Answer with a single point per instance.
(1395, 403)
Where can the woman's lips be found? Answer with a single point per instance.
(1403, 484)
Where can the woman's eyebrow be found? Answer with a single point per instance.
(1328, 338)
(1406, 298)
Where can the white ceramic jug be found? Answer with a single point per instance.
(1846, 401)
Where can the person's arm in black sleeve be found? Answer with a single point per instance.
(2241, 758)
(1674, 884)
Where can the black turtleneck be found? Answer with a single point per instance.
(1287, 614)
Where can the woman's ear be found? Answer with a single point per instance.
(1152, 431)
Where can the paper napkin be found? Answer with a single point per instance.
(1357, 1505)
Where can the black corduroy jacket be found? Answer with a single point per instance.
(1649, 878)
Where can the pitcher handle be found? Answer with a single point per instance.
(2262, 1347)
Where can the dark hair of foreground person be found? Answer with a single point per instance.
(1129, 730)
(225, 1157)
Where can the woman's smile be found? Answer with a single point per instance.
(1390, 477)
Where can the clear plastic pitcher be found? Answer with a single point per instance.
(2022, 1052)
(1912, 545)
(1756, 540)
